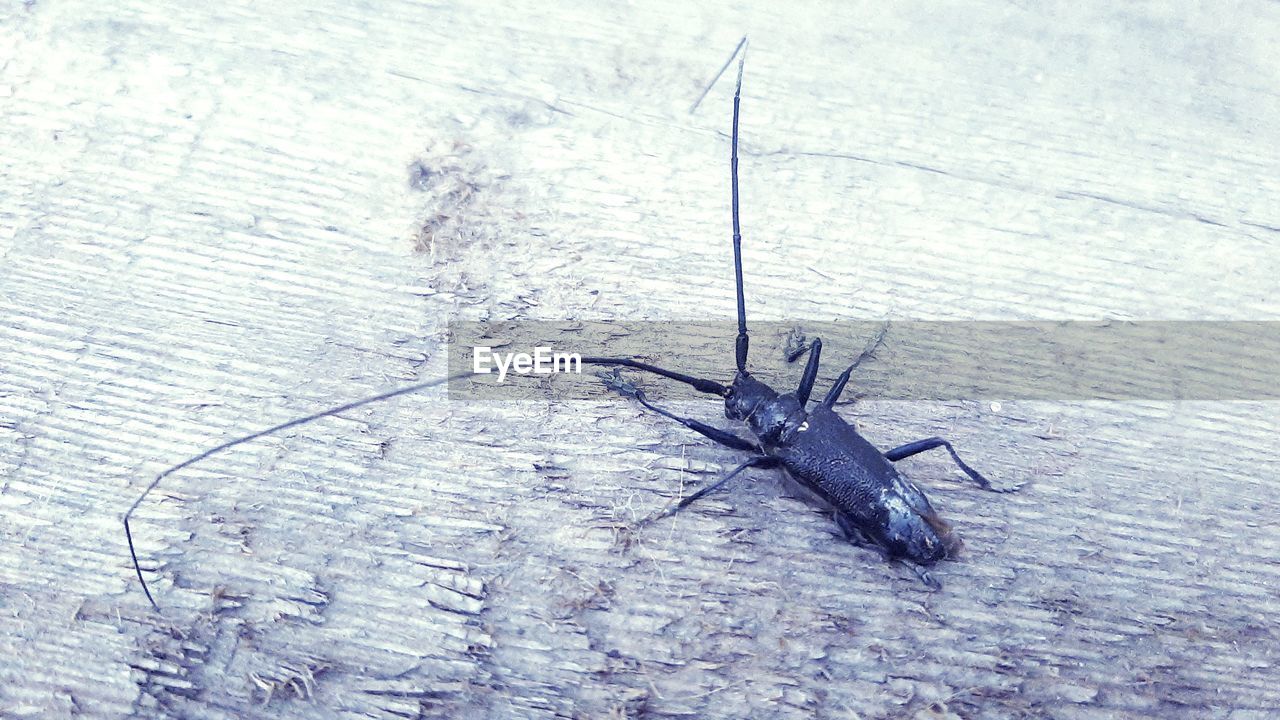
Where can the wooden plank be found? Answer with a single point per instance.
(209, 225)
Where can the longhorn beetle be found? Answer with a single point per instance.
(873, 505)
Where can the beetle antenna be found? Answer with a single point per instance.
(719, 72)
(128, 533)
(742, 342)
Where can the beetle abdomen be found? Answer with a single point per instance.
(829, 457)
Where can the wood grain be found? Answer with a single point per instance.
(216, 217)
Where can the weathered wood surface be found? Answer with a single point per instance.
(207, 226)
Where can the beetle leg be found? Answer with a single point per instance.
(796, 345)
(924, 575)
(615, 382)
(919, 446)
(763, 461)
(855, 536)
(834, 393)
(810, 372)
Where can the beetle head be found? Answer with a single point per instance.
(745, 396)
(765, 411)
